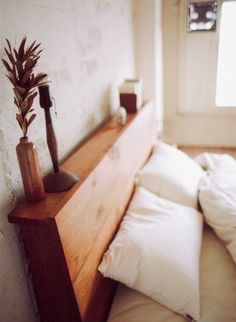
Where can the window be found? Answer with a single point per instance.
(226, 66)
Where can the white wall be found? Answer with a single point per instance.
(148, 49)
(88, 51)
(190, 61)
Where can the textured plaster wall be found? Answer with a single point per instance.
(88, 51)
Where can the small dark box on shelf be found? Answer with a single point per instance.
(131, 97)
(129, 102)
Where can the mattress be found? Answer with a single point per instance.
(217, 289)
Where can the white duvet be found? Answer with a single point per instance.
(217, 196)
(217, 289)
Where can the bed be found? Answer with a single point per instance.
(66, 235)
(160, 247)
(217, 272)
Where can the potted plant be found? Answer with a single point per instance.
(20, 64)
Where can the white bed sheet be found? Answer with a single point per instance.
(217, 290)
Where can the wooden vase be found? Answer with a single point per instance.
(30, 171)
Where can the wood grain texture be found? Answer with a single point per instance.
(49, 273)
(30, 171)
(78, 225)
(81, 163)
(51, 140)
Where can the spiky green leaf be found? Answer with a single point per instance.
(24, 107)
(25, 77)
(31, 98)
(29, 64)
(11, 80)
(5, 63)
(20, 119)
(35, 48)
(20, 89)
(17, 57)
(24, 127)
(10, 56)
(17, 96)
(32, 117)
(16, 102)
(39, 78)
(9, 45)
(21, 49)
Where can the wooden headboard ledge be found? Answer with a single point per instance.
(66, 234)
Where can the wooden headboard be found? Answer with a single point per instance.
(66, 234)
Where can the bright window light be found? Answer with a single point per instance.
(226, 67)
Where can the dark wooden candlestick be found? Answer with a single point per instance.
(58, 180)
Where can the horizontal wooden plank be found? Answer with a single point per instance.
(75, 227)
(81, 163)
(89, 219)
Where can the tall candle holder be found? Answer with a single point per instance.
(58, 180)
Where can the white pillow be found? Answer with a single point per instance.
(171, 174)
(217, 197)
(156, 251)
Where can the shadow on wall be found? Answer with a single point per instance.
(7, 182)
(93, 122)
(105, 112)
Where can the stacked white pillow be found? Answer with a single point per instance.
(157, 248)
(172, 174)
(218, 201)
(156, 251)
